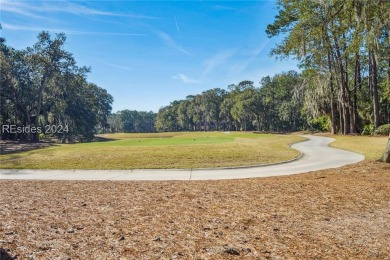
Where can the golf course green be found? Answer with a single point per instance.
(160, 151)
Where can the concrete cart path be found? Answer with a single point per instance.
(316, 155)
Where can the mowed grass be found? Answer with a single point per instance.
(372, 147)
(160, 151)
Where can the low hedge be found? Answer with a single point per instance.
(383, 130)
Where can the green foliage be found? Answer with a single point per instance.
(127, 121)
(321, 123)
(383, 130)
(272, 107)
(42, 85)
(368, 129)
(346, 45)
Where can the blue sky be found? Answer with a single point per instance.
(148, 53)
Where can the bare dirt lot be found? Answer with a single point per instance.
(331, 214)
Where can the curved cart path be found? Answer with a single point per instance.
(316, 155)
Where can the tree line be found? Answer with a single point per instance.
(42, 87)
(274, 106)
(131, 121)
(285, 102)
(344, 48)
(243, 107)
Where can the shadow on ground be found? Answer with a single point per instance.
(8, 146)
(5, 256)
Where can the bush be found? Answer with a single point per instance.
(383, 130)
(321, 123)
(368, 129)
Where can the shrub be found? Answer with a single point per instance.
(383, 130)
(321, 123)
(368, 129)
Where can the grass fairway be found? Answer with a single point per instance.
(372, 147)
(160, 151)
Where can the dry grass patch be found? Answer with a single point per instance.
(184, 150)
(331, 214)
(372, 147)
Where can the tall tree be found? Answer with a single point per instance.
(43, 86)
(339, 39)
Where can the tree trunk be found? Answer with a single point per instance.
(345, 100)
(374, 86)
(332, 101)
(357, 82)
(349, 104)
(258, 122)
(341, 118)
(386, 156)
(346, 116)
(39, 106)
(387, 114)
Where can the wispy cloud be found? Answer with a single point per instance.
(177, 26)
(255, 52)
(66, 7)
(214, 62)
(225, 8)
(38, 9)
(75, 9)
(185, 79)
(210, 65)
(7, 26)
(239, 67)
(112, 64)
(18, 8)
(170, 42)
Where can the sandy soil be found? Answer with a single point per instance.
(332, 214)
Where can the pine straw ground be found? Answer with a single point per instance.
(331, 214)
